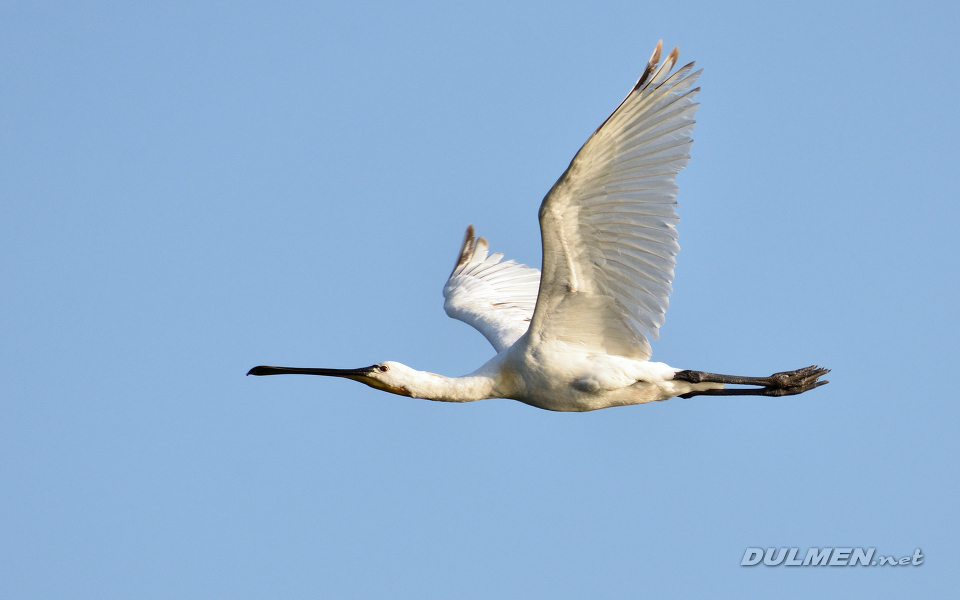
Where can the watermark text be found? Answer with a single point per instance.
(826, 557)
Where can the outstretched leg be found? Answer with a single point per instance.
(787, 383)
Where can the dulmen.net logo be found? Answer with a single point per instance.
(832, 557)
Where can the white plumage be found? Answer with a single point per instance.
(576, 336)
(609, 223)
(497, 298)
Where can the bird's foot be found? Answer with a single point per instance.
(789, 383)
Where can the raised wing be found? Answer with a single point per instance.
(497, 298)
(608, 224)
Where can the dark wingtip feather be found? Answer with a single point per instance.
(651, 65)
(466, 250)
(674, 54)
(655, 57)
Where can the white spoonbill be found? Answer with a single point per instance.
(574, 337)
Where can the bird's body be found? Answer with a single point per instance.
(574, 337)
(549, 375)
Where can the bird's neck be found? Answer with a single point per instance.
(431, 386)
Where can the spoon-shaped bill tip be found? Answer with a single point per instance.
(261, 370)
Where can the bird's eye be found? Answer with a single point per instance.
(382, 368)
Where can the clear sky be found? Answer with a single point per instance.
(189, 190)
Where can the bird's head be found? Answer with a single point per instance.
(388, 376)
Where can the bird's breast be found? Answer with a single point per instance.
(562, 378)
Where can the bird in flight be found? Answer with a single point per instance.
(574, 337)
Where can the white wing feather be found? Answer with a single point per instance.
(497, 298)
(608, 224)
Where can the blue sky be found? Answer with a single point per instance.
(193, 189)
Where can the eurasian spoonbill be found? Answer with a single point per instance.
(574, 337)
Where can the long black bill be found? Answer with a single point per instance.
(264, 370)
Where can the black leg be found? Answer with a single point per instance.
(786, 383)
